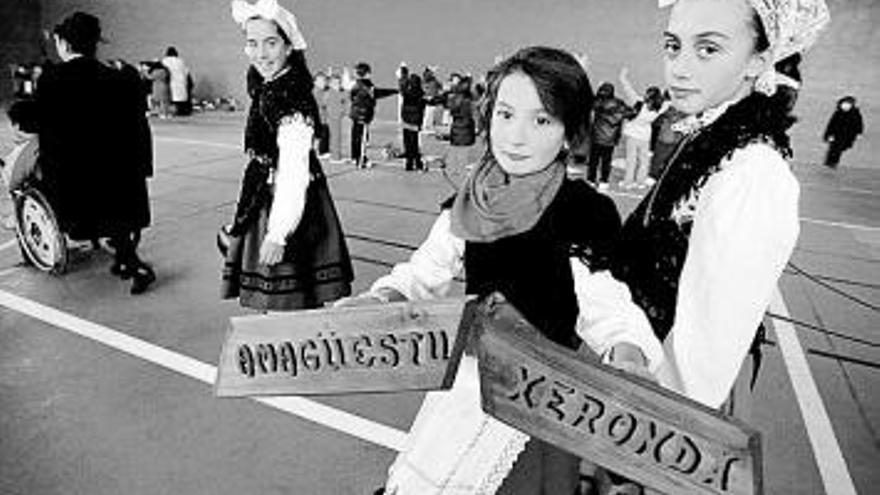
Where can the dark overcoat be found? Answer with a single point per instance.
(95, 148)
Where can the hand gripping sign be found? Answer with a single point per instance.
(624, 423)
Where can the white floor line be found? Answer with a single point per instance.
(844, 225)
(826, 450)
(8, 244)
(815, 221)
(9, 270)
(313, 411)
(199, 142)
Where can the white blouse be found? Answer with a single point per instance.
(607, 315)
(291, 179)
(745, 226)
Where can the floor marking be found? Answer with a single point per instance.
(826, 450)
(816, 221)
(8, 244)
(336, 419)
(852, 226)
(9, 270)
(199, 142)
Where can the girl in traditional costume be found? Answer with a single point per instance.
(703, 251)
(517, 225)
(286, 247)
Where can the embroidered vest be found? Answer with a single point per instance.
(651, 251)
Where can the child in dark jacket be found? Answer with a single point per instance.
(412, 112)
(608, 114)
(363, 97)
(842, 130)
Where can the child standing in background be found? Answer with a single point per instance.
(336, 105)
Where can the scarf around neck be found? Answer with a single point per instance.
(492, 204)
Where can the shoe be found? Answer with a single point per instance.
(143, 276)
(603, 186)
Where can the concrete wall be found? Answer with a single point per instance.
(467, 35)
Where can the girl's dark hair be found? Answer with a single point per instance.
(172, 52)
(81, 31)
(562, 84)
(777, 108)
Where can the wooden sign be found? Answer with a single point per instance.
(624, 423)
(380, 348)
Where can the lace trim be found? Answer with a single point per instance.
(693, 123)
(503, 465)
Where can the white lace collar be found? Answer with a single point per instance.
(693, 123)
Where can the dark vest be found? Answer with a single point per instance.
(532, 269)
(271, 102)
(650, 254)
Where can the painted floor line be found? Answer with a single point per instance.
(198, 142)
(829, 458)
(844, 225)
(8, 244)
(336, 419)
(9, 270)
(815, 221)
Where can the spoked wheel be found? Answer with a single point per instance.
(39, 234)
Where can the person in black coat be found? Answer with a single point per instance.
(609, 112)
(842, 130)
(95, 150)
(363, 108)
(412, 113)
(463, 128)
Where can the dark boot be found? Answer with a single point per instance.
(142, 275)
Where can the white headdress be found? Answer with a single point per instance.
(269, 9)
(792, 26)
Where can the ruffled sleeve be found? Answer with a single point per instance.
(291, 114)
(744, 231)
(291, 179)
(431, 268)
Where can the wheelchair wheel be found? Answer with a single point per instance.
(39, 233)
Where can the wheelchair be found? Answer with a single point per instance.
(41, 239)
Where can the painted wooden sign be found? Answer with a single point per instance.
(626, 424)
(379, 348)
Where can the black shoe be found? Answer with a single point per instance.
(143, 276)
